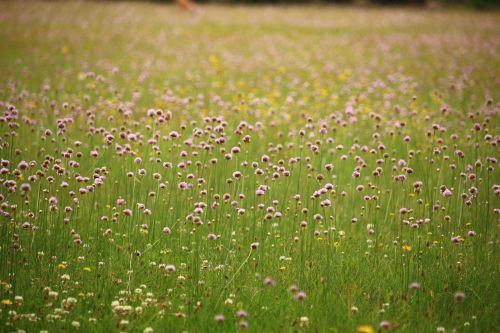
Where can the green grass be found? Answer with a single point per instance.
(278, 71)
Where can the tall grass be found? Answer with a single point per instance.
(261, 169)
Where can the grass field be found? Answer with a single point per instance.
(260, 169)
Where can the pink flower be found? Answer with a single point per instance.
(300, 296)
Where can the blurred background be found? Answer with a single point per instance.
(479, 4)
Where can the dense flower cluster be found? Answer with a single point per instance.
(152, 195)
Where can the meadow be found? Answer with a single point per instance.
(259, 169)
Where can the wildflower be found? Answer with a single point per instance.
(123, 323)
(446, 193)
(268, 281)
(459, 296)
(406, 248)
(53, 201)
(219, 318)
(241, 313)
(365, 329)
(304, 321)
(25, 187)
(300, 296)
(414, 285)
(384, 324)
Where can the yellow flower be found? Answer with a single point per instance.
(365, 329)
(61, 266)
(87, 269)
(214, 60)
(6, 302)
(342, 77)
(406, 248)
